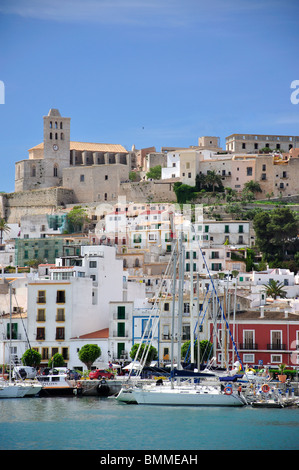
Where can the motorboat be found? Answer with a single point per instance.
(56, 382)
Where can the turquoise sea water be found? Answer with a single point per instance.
(92, 423)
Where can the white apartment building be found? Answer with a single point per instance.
(74, 301)
(13, 297)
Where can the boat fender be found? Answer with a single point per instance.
(228, 390)
(265, 388)
(103, 389)
(103, 381)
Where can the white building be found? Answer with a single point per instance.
(173, 166)
(74, 302)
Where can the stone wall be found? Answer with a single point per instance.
(40, 201)
(148, 191)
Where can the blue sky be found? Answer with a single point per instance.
(146, 72)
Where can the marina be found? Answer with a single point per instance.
(98, 423)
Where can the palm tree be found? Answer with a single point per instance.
(213, 179)
(4, 228)
(274, 289)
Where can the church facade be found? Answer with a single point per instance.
(93, 171)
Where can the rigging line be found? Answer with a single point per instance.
(188, 351)
(218, 300)
(157, 318)
(22, 321)
(149, 340)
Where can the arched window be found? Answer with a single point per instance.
(33, 170)
(56, 136)
(105, 197)
(61, 125)
(55, 124)
(51, 135)
(55, 170)
(61, 136)
(50, 124)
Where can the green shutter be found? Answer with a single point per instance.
(121, 329)
(121, 311)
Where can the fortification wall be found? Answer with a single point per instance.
(40, 201)
(147, 191)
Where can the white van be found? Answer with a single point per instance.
(24, 372)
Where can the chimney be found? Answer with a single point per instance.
(262, 308)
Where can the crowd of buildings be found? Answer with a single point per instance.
(112, 283)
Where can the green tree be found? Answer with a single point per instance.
(4, 228)
(154, 173)
(205, 350)
(88, 354)
(275, 230)
(150, 353)
(275, 289)
(253, 186)
(213, 180)
(31, 358)
(184, 192)
(56, 361)
(76, 219)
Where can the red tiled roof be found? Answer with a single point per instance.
(99, 334)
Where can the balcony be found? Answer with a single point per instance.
(249, 346)
(276, 347)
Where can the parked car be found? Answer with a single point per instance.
(100, 373)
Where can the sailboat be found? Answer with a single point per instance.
(11, 389)
(183, 392)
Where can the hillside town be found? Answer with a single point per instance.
(87, 241)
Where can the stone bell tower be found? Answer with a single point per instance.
(56, 146)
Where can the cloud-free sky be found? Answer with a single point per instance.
(146, 72)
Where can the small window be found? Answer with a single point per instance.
(60, 315)
(60, 297)
(59, 333)
(81, 178)
(41, 314)
(106, 177)
(41, 297)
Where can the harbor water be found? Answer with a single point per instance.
(93, 423)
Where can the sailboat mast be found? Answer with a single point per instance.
(180, 299)
(173, 310)
(10, 329)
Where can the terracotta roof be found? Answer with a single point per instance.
(270, 315)
(90, 146)
(99, 334)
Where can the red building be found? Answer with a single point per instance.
(266, 337)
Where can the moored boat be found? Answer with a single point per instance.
(188, 396)
(56, 383)
(11, 390)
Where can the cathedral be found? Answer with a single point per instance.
(93, 171)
